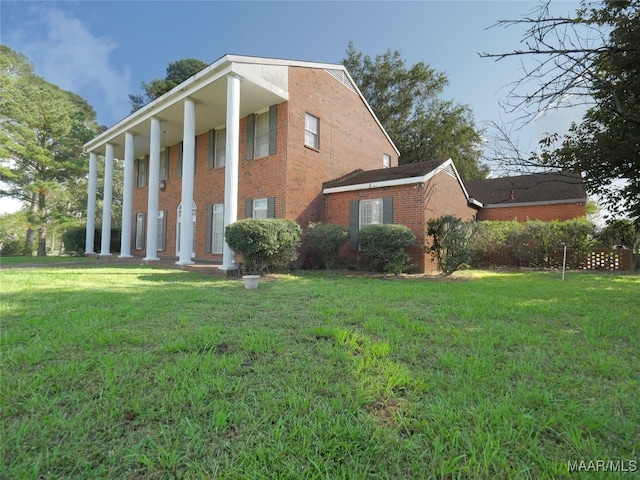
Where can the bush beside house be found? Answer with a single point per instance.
(265, 244)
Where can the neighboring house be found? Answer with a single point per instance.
(261, 136)
(410, 195)
(540, 196)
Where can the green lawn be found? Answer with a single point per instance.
(33, 260)
(131, 372)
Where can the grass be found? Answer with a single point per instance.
(143, 373)
(49, 259)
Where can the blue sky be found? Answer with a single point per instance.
(104, 50)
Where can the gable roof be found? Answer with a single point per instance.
(412, 173)
(534, 189)
(401, 172)
(265, 82)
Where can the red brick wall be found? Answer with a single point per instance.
(413, 206)
(349, 139)
(546, 213)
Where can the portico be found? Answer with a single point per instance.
(218, 97)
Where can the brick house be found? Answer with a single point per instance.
(539, 196)
(410, 195)
(262, 135)
(274, 138)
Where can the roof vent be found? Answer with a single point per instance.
(449, 170)
(342, 77)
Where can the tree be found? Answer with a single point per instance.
(407, 102)
(591, 58)
(42, 130)
(177, 72)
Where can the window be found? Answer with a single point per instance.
(164, 164)
(370, 212)
(260, 208)
(141, 172)
(161, 239)
(139, 231)
(179, 228)
(218, 228)
(262, 133)
(221, 148)
(386, 160)
(311, 131)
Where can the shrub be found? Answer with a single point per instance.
(452, 242)
(324, 242)
(532, 243)
(265, 244)
(74, 240)
(578, 236)
(383, 247)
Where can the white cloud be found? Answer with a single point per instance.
(65, 52)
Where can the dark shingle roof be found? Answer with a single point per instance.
(410, 170)
(538, 187)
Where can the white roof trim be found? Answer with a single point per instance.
(534, 204)
(368, 186)
(400, 181)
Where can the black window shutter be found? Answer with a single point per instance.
(271, 207)
(273, 128)
(163, 230)
(248, 208)
(180, 159)
(251, 130)
(208, 247)
(136, 168)
(144, 230)
(354, 224)
(387, 210)
(212, 149)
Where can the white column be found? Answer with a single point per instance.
(91, 203)
(154, 191)
(127, 196)
(105, 247)
(231, 166)
(188, 152)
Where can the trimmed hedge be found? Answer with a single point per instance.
(265, 244)
(324, 242)
(74, 240)
(383, 247)
(533, 243)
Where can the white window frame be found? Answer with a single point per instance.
(141, 173)
(140, 230)
(311, 131)
(260, 208)
(220, 155)
(162, 234)
(386, 160)
(217, 228)
(179, 227)
(261, 135)
(370, 209)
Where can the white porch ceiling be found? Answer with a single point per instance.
(209, 90)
